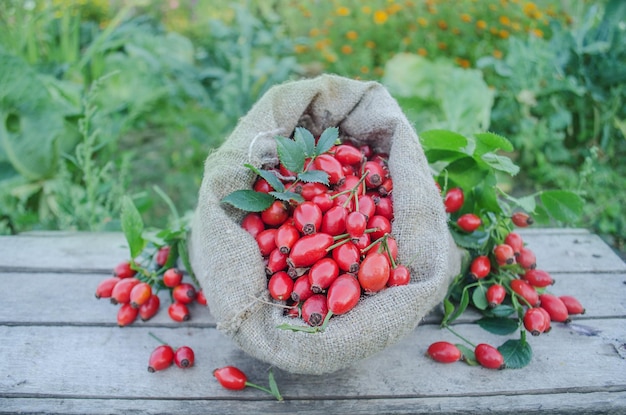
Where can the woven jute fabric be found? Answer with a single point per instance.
(230, 268)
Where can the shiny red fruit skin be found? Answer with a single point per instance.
(126, 315)
(393, 249)
(535, 321)
(343, 294)
(521, 219)
(315, 309)
(231, 378)
(178, 312)
(280, 286)
(162, 255)
(375, 174)
(140, 294)
(348, 257)
(184, 293)
(261, 185)
(334, 220)
(105, 287)
(374, 272)
(399, 275)
(309, 249)
(148, 309)
(323, 201)
(275, 215)
(356, 222)
(381, 224)
(332, 166)
(444, 352)
(284, 238)
(322, 274)
(172, 277)
(301, 289)
(277, 261)
(555, 307)
(201, 298)
(480, 267)
(348, 154)
(538, 278)
(253, 224)
(489, 357)
(572, 304)
(161, 358)
(495, 294)
(307, 218)
(310, 190)
(121, 291)
(527, 259)
(515, 241)
(367, 206)
(385, 207)
(386, 187)
(469, 222)
(350, 182)
(454, 199)
(124, 270)
(504, 254)
(266, 240)
(526, 291)
(184, 357)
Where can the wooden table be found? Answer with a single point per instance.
(61, 350)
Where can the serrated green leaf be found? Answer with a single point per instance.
(442, 140)
(479, 297)
(489, 142)
(500, 163)
(305, 140)
(290, 154)
(516, 353)
(132, 225)
(468, 354)
(327, 139)
(498, 325)
(269, 177)
(562, 205)
(249, 200)
(315, 176)
(466, 173)
(475, 240)
(287, 196)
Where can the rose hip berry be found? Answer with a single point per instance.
(162, 255)
(356, 222)
(184, 357)
(444, 352)
(555, 307)
(184, 293)
(148, 309)
(572, 304)
(140, 294)
(504, 254)
(489, 357)
(121, 291)
(495, 294)
(105, 287)
(172, 277)
(322, 274)
(301, 289)
(285, 237)
(347, 257)
(126, 315)
(527, 259)
(309, 249)
(469, 222)
(315, 309)
(275, 215)
(480, 267)
(280, 286)
(343, 294)
(454, 199)
(399, 275)
(535, 321)
(374, 272)
(161, 358)
(253, 223)
(307, 218)
(231, 378)
(178, 312)
(515, 241)
(538, 278)
(521, 219)
(124, 270)
(526, 291)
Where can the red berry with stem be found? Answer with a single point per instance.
(347, 257)
(172, 277)
(527, 259)
(515, 241)
(392, 247)
(315, 309)
(162, 255)
(105, 287)
(526, 291)
(332, 166)
(348, 154)
(323, 201)
(489, 357)
(375, 174)
(276, 214)
(276, 261)
(334, 220)
(480, 267)
(381, 224)
(161, 358)
(384, 207)
(253, 224)
(386, 187)
(285, 236)
(124, 270)
(399, 275)
(367, 206)
(356, 222)
(140, 294)
(301, 289)
(555, 307)
(307, 218)
(538, 278)
(374, 272)
(504, 254)
(454, 199)
(261, 185)
(178, 312)
(572, 304)
(126, 315)
(280, 286)
(495, 294)
(184, 293)
(266, 240)
(547, 319)
(469, 222)
(231, 378)
(322, 274)
(444, 352)
(184, 357)
(534, 321)
(343, 294)
(310, 190)
(148, 309)
(121, 291)
(522, 219)
(309, 249)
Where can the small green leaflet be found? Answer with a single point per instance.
(486, 142)
(516, 353)
(274, 386)
(474, 240)
(305, 140)
(249, 200)
(468, 354)
(290, 153)
(316, 176)
(479, 298)
(500, 163)
(132, 225)
(498, 325)
(461, 308)
(287, 196)
(442, 140)
(500, 311)
(269, 177)
(327, 140)
(562, 205)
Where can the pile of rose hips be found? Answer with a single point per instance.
(323, 253)
(510, 275)
(135, 287)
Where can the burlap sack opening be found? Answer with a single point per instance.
(230, 268)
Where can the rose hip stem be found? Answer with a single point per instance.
(461, 337)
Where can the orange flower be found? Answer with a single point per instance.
(442, 45)
(481, 24)
(537, 32)
(456, 31)
(346, 49)
(504, 34)
(422, 22)
(422, 52)
(370, 44)
(343, 11)
(365, 70)
(515, 26)
(466, 18)
(442, 25)
(380, 16)
(352, 35)
(394, 8)
(497, 54)
(463, 63)
(330, 57)
(505, 21)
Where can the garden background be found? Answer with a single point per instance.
(105, 98)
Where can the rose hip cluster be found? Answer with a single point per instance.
(135, 289)
(323, 253)
(509, 275)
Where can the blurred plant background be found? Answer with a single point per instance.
(104, 98)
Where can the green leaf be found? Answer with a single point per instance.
(305, 140)
(479, 297)
(516, 353)
(562, 205)
(466, 173)
(316, 176)
(327, 140)
(132, 225)
(462, 306)
(498, 325)
(290, 154)
(274, 386)
(489, 142)
(448, 309)
(306, 329)
(442, 140)
(501, 311)
(500, 163)
(468, 354)
(287, 196)
(269, 177)
(249, 200)
(475, 240)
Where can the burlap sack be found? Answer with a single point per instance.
(226, 258)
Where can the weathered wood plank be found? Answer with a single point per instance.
(569, 403)
(108, 362)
